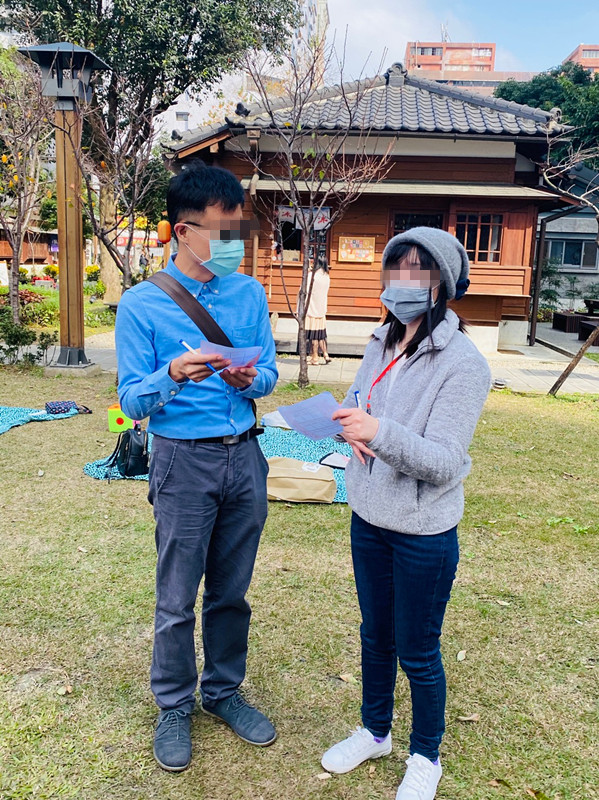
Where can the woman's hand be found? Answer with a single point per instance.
(357, 424)
(358, 428)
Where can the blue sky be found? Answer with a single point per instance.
(531, 35)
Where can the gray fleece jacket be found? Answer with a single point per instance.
(426, 423)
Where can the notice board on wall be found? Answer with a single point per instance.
(357, 249)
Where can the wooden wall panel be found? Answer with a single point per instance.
(477, 170)
(406, 168)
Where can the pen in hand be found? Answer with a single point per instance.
(191, 350)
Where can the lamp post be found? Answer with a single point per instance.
(66, 74)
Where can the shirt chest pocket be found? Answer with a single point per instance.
(243, 336)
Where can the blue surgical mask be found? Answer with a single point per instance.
(407, 304)
(225, 256)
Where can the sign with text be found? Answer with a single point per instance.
(357, 249)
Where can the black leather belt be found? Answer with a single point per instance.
(241, 437)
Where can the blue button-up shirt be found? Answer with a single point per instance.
(149, 325)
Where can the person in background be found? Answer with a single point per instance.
(409, 417)
(207, 481)
(143, 261)
(316, 322)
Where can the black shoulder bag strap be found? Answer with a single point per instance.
(196, 312)
(185, 300)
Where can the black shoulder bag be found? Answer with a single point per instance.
(130, 456)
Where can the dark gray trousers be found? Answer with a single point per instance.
(210, 508)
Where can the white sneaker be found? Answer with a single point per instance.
(421, 779)
(360, 746)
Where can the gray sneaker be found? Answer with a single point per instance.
(246, 721)
(172, 740)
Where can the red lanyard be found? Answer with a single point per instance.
(380, 378)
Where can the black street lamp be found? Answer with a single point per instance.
(66, 75)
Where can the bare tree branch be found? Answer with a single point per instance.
(314, 166)
(25, 133)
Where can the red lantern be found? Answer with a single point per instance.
(164, 231)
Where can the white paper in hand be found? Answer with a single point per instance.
(239, 356)
(312, 417)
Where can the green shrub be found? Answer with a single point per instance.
(45, 314)
(23, 275)
(95, 289)
(98, 317)
(591, 291)
(16, 339)
(100, 289)
(544, 314)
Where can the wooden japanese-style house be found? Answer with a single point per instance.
(461, 162)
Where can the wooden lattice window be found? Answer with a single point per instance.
(481, 235)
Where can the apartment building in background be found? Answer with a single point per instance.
(450, 56)
(587, 55)
(471, 65)
(467, 65)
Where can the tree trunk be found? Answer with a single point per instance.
(570, 368)
(302, 309)
(128, 258)
(303, 379)
(111, 274)
(13, 285)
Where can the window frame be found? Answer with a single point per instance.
(475, 258)
(395, 212)
(569, 267)
(319, 245)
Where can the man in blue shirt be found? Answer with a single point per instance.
(207, 472)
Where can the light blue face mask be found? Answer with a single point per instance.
(225, 256)
(407, 304)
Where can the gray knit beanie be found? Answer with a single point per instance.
(445, 249)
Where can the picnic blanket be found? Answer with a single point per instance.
(12, 416)
(274, 442)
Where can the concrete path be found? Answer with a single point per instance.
(566, 343)
(524, 369)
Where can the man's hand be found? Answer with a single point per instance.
(192, 365)
(358, 428)
(239, 377)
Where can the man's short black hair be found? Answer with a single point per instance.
(198, 186)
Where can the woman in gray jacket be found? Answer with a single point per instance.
(409, 417)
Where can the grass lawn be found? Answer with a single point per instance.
(76, 593)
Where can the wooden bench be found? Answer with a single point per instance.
(587, 326)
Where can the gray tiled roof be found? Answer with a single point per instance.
(400, 102)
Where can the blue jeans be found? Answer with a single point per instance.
(403, 583)
(210, 507)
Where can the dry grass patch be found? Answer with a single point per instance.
(76, 594)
